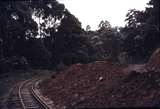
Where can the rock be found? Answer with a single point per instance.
(100, 79)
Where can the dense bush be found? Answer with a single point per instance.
(61, 38)
(37, 54)
(13, 63)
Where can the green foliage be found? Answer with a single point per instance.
(71, 49)
(19, 31)
(62, 39)
(106, 42)
(104, 25)
(37, 54)
(13, 63)
(88, 28)
(16, 20)
(142, 31)
(70, 21)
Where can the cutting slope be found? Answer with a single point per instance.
(104, 84)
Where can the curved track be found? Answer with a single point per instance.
(24, 97)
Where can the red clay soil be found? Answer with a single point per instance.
(103, 84)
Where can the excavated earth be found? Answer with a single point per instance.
(104, 84)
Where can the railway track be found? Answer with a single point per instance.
(24, 97)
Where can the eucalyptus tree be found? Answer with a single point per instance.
(15, 16)
(142, 31)
(20, 26)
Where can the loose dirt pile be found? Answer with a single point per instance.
(83, 85)
(103, 84)
(154, 61)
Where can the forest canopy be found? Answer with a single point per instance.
(62, 41)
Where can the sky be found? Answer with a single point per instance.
(91, 12)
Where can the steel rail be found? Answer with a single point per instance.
(33, 93)
(41, 101)
(20, 94)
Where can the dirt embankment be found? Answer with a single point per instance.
(154, 61)
(104, 84)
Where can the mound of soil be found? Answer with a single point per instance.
(83, 85)
(154, 61)
(137, 90)
(103, 84)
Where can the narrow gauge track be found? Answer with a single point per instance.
(23, 97)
